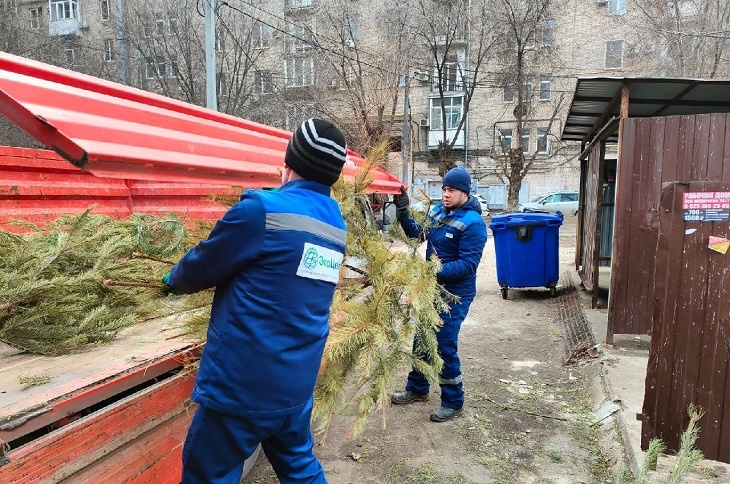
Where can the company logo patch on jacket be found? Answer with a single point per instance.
(320, 263)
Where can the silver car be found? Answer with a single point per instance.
(565, 202)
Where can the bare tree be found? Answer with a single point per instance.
(361, 71)
(459, 41)
(693, 35)
(525, 42)
(167, 40)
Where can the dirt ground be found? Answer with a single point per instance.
(527, 417)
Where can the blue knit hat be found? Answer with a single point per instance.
(458, 178)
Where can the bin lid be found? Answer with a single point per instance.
(517, 219)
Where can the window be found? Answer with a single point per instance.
(546, 83)
(262, 82)
(172, 22)
(159, 24)
(299, 71)
(547, 33)
(616, 7)
(451, 75)
(222, 84)
(509, 94)
(104, 5)
(220, 41)
(299, 3)
(526, 141)
(70, 48)
(147, 28)
(527, 89)
(108, 50)
(453, 107)
(302, 36)
(173, 69)
(36, 15)
(262, 36)
(351, 31)
(505, 140)
(543, 143)
(156, 67)
(568, 197)
(64, 9)
(614, 54)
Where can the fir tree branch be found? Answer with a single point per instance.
(153, 285)
(140, 255)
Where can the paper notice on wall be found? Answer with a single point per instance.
(706, 206)
(719, 244)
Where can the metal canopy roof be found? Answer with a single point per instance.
(114, 131)
(596, 96)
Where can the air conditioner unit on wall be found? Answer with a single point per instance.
(423, 122)
(601, 2)
(422, 76)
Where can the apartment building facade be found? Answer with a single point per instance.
(381, 69)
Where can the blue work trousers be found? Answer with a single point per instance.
(452, 393)
(218, 444)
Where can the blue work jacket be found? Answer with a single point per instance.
(274, 259)
(457, 239)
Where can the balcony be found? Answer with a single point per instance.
(66, 26)
(436, 136)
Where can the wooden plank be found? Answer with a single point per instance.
(658, 373)
(690, 354)
(621, 230)
(64, 452)
(155, 456)
(81, 379)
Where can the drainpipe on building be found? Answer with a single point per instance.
(468, 77)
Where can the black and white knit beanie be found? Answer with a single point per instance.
(317, 151)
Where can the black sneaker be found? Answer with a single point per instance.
(407, 396)
(442, 414)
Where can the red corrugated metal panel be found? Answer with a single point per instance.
(115, 131)
(37, 186)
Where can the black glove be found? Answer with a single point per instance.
(402, 201)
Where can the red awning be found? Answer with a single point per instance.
(114, 131)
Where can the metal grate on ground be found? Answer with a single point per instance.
(579, 339)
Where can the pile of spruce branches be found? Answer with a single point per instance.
(80, 280)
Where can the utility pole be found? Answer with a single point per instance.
(122, 43)
(211, 89)
(406, 140)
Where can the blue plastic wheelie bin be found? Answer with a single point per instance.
(526, 246)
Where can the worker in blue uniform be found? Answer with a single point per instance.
(456, 235)
(274, 260)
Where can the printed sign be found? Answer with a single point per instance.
(706, 206)
(321, 263)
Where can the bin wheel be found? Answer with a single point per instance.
(504, 293)
(552, 291)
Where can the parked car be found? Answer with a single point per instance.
(485, 205)
(565, 202)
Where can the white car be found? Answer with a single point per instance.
(485, 205)
(565, 202)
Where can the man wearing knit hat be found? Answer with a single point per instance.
(456, 235)
(274, 260)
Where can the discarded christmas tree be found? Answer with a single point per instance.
(59, 287)
(79, 281)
